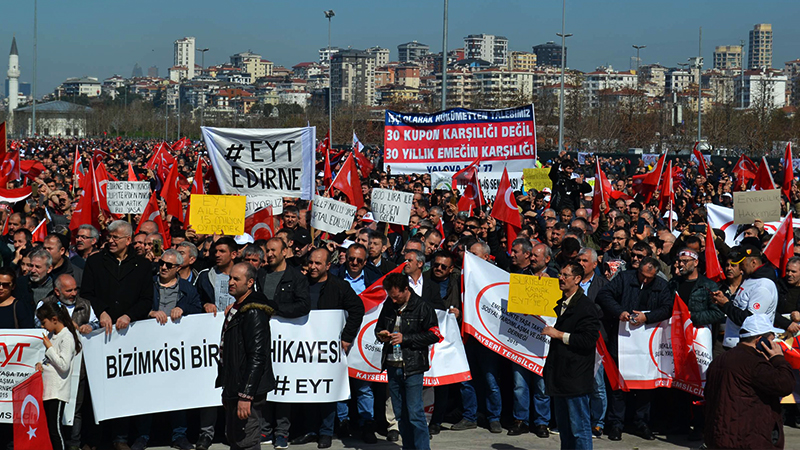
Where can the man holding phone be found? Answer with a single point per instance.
(744, 388)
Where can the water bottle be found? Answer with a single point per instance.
(397, 352)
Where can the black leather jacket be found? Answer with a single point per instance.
(420, 329)
(245, 365)
(291, 299)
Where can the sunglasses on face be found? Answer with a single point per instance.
(162, 263)
(440, 266)
(6, 285)
(353, 259)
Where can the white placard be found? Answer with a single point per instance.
(261, 161)
(127, 197)
(392, 206)
(331, 215)
(22, 349)
(256, 202)
(174, 366)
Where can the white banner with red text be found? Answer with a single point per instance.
(646, 360)
(447, 358)
(173, 366)
(447, 141)
(514, 336)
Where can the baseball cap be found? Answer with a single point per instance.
(757, 324)
(301, 237)
(740, 252)
(244, 239)
(368, 218)
(607, 236)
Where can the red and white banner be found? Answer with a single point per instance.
(448, 360)
(646, 360)
(514, 336)
(449, 140)
(722, 218)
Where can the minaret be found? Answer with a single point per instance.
(13, 78)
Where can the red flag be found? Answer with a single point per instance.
(181, 143)
(440, 229)
(666, 197)
(78, 172)
(505, 207)
(15, 195)
(763, 179)
(31, 169)
(788, 172)
(364, 164)
(198, 187)
(701, 161)
(791, 354)
(30, 424)
(100, 178)
(40, 232)
(461, 175)
(781, 246)
(646, 184)
(610, 367)
(744, 171)
(86, 211)
(713, 267)
(349, 183)
(131, 174)
(161, 161)
(171, 193)
(260, 224)
(683, 333)
(9, 170)
(99, 155)
(151, 212)
(374, 295)
(472, 198)
(324, 148)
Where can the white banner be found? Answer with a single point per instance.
(127, 197)
(645, 355)
(256, 202)
(650, 158)
(392, 206)
(490, 181)
(722, 218)
(22, 349)
(705, 157)
(332, 215)
(514, 336)
(260, 161)
(174, 366)
(447, 358)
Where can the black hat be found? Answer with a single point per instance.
(607, 237)
(301, 237)
(740, 252)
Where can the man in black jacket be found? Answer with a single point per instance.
(286, 290)
(328, 292)
(567, 191)
(119, 286)
(569, 368)
(407, 326)
(624, 299)
(245, 369)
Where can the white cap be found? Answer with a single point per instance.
(244, 239)
(757, 324)
(672, 213)
(368, 218)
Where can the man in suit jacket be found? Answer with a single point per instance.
(415, 261)
(569, 368)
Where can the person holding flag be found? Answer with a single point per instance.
(567, 190)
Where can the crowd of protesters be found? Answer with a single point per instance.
(624, 264)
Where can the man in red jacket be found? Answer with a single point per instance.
(744, 388)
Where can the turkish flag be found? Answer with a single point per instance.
(374, 295)
(99, 155)
(781, 246)
(602, 191)
(744, 171)
(505, 209)
(100, 178)
(87, 210)
(666, 197)
(701, 161)
(790, 353)
(349, 183)
(646, 184)
(171, 193)
(324, 148)
(364, 164)
(763, 180)
(612, 371)
(683, 332)
(198, 188)
(30, 424)
(472, 198)
(713, 267)
(788, 172)
(151, 212)
(78, 172)
(131, 174)
(181, 143)
(260, 224)
(161, 161)
(9, 170)
(31, 169)
(40, 232)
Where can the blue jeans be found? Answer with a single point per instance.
(597, 400)
(327, 412)
(486, 362)
(365, 402)
(522, 397)
(574, 422)
(408, 408)
(469, 402)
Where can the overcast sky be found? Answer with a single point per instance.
(102, 38)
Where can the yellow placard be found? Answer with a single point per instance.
(528, 294)
(221, 214)
(537, 179)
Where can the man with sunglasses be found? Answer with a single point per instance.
(173, 298)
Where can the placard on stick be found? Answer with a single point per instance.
(537, 179)
(332, 215)
(392, 206)
(751, 205)
(221, 214)
(529, 294)
(127, 197)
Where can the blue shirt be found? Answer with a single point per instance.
(356, 283)
(585, 284)
(443, 285)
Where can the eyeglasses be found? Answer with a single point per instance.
(634, 255)
(353, 259)
(82, 237)
(117, 238)
(440, 266)
(6, 284)
(162, 263)
(472, 227)
(685, 261)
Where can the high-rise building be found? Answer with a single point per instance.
(253, 64)
(522, 61)
(759, 54)
(13, 77)
(137, 71)
(412, 51)
(152, 72)
(353, 78)
(184, 55)
(549, 54)
(381, 55)
(792, 71)
(487, 47)
(325, 56)
(727, 57)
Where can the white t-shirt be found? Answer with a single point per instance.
(759, 296)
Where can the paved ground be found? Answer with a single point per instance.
(482, 439)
